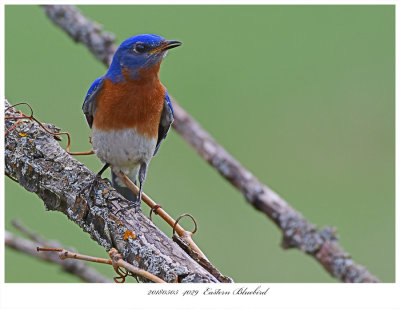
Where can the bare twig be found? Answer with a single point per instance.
(74, 267)
(67, 254)
(116, 261)
(297, 231)
(37, 161)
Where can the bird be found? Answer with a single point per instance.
(129, 111)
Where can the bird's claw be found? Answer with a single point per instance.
(94, 184)
(91, 186)
(135, 205)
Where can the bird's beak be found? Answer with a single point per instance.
(171, 44)
(166, 45)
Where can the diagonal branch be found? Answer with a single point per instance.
(35, 159)
(83, 30)
(297, 231)
(74, 267)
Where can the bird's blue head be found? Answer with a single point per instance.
(138, 54)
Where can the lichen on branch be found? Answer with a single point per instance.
(35, 159)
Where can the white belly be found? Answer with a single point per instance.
(124, 149)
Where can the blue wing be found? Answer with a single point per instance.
(89, 106)
(167, 117)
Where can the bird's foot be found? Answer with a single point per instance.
(135, 205)
(92, 186)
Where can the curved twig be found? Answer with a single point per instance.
(179, 219)
(56, 132)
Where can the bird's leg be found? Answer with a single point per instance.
(106, 166)
(142, 177)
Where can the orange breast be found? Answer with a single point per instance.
(131, 104)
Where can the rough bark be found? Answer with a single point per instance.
(41, 166)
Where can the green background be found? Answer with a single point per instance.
(302, 96)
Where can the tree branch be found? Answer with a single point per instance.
(297, 231)
(74, 267)
(40, 165)
(83, 30)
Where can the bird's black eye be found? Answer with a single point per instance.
(140, 48)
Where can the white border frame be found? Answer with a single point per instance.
(43, 296)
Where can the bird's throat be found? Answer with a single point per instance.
(143, 75)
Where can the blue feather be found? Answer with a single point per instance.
(88, 106)
(169, 102)
(94, 86)
(167, 117)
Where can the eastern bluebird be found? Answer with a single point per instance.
(129, 111)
